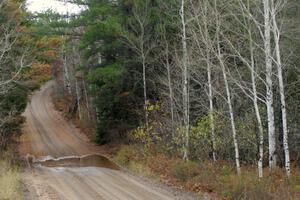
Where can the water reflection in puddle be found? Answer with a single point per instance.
(84, 161)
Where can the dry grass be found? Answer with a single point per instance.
(10, 181)
(130, 158)
(217, 179)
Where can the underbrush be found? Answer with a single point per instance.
(219, 180)
(10, 179)
(131, 159)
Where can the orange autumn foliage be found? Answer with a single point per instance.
(52, 54)
(39, 72)
(49, 42)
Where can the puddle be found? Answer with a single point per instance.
(84, 161)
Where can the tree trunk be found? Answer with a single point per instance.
(86, 99)
(269, 85)
(256, 108)
(78, 99)
(185, 94)
(170, 89)
(211, 111)
(228, 94)
(255, 102)
(276, 34)
(145, 92)
(66, 74)
(234, 134)
(210, 90)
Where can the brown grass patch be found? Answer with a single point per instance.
(10, 179)
(219, 180)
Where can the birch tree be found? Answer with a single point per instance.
(15, 56)
(185, 79)
(250, 63)
(167, 64)
(209, 78)
(269, 84)
(66, 73)
(78, 97)
(255, 98)
(87, 99)
(276, 34)
(228, 93)
(140, 42)
(203, 42)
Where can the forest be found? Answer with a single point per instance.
(202, 94)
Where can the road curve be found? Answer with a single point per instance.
(47, 134)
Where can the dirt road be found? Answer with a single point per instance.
(60, 169)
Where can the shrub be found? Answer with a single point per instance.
(139, 168)
(13, 103)
(145, 136)
(125, 155)
(185, 170)
(159, 164)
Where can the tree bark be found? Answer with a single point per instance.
(255, 101)
(269, 85)
(185, 94)
(78, 97)
(210, 89)
(256, 108)
(66, 74)
(228, 94)
(145, 92)
(233, 127)
(170, 89)
(86, 99)
(276, 34)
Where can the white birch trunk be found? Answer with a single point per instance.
(260, 128)
(255, 101)
(78, 99)
(228, 94)
(145, 92)
(66, 75)
(211, 110)
(257, 112)
(98, 120)
(143, 59)
(185, 82)
(276, 34)
(170, 89)
(86, 99)
(210, 89)
(233, 127)
(99, 58)
(269, 85)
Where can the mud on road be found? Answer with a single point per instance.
(63, 165)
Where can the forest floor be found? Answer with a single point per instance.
(61, 163)
(214, 180)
